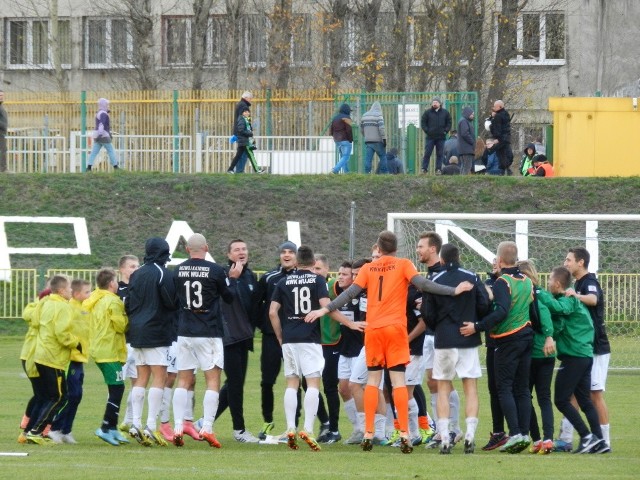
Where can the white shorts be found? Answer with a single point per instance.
(151, 356)
(345, 367)
(302, 359)
(129, 369)
(194, 352)
(599, 371)
(414, 373)
(359, 372)
(172, 355)
(465, 362)
(427, 352)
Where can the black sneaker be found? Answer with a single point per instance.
(587, 443)
(331, 437)
(445, 448)
(600, 446)
(495, 440)
(366, 444)
(469, 446)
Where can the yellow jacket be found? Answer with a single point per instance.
(80, 328)
(55, 339)
(31, 315)
(108, 324)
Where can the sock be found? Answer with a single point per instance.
(380, 423)
(370, 407)
(311, 400)
(191, 401)
(605, 433)
(352, 414)
(401, 401)
(454, 411)
(566, 431)
(360, 424)
(434, 411)
(179, 407)
(166, 402)
(128, 413)
(137, 402)
(210, 405)
(391, 419)
(472, 425)
(413, 418)
(443, 429)
(423, 422)
(154, 401)
(290, 407)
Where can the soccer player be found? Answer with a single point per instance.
(455, 353)
(200, 284)
(331, 339)
(428, 250)
(150, 305)
(587, 289)
(509, 324)
(108, 348)
(386, 342)
(239, 317)
(271, 353)
(52, 354)
(63, 421)
(293, 298)
(574, 329)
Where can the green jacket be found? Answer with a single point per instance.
(573, 328)
(108, 324)
(546, 324)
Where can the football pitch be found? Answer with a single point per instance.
(92, 458)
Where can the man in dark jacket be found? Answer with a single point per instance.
(150, 305)
(342, 134)
(455, 353)
(245, 102)
(435, 123)
(239, 318)
(466, 140)
(501, 131)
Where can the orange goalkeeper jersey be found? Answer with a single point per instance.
(386, 281)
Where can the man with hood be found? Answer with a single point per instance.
(526, 163)
(102, 135)
(375, 139)
(435, 123)
(466, 140)
(342, 134)
(150, 305)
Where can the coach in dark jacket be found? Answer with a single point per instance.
(447, 314)
(436, 123)
(245, 102)
(152, 299)
(501, 131)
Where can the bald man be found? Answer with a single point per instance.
(501, 132)
(200, 284)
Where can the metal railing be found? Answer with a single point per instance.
(37, 154)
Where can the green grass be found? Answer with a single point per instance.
(92, 458)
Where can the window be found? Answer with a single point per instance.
(29, 44)
(177, 41)
(255, 28)
(217, 40)
(540, 39)
(108, 43)
(301, 47)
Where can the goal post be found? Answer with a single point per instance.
(613, 242)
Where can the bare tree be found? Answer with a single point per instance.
(280, 37)
(201, 9)
(234, 11)
(142, 20)
(370, 55)
(398, 59)
(334, 13)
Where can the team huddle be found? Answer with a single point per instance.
(367, 337)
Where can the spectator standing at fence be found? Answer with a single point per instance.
(435, 122)
(375, 138)
(245, 101)
(4, 125)
(102, 135)
(466, 140)
(342, 133)
(501, 130)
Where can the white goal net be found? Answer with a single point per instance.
(613, 242)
